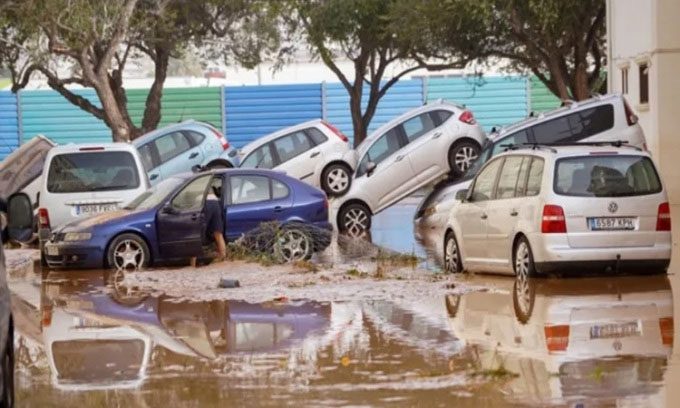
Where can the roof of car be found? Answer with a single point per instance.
(175, 126)
(91, 147)
(234, 171)
(562, 110)
(576, 149)
(271, 136)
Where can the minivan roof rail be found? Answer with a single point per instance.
(533, 146)
(613, 143)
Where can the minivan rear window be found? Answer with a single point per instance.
(606, 176)
(93, 171)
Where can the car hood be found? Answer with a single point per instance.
(102, 220)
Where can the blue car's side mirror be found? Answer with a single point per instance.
(167, 209)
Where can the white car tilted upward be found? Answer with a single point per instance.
(406, 154)
(314, 152)
(550, 209)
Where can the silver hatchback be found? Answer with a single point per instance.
(559, 209)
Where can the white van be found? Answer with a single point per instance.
(81, 180)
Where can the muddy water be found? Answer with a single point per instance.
(85, 340)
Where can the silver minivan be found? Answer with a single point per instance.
(555, 209)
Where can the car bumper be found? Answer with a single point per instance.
(636, 266)
(61, 255)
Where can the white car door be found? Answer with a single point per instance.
(297, 155)
(424, 148)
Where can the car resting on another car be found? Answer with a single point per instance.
(166, 223)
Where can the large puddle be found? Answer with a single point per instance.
(85, 340)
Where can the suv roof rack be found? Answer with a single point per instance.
(551, 146)
(533, 146)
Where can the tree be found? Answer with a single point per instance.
(96, 39)
(562, 42)
(363, 32)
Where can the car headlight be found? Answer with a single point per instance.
(77, 236)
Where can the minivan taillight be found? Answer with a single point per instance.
(557, 337)
(43, 218)
(553, 221)
(467, 117)
(336, 131)
(220, 136)
(663, 218)
(666, 328)
(631, 117)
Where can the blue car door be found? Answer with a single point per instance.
(254, 199)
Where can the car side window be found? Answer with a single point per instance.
(147, 156)
(575, 126)
(195, 137)
(249, 189)
(260, 158)
(316, 135)
(535, 177)
(521, 189)
(192, 195)
(484, 183)
(507, 181)
(292, 145)
(279, 190)
(440, 116)
(383, 148)
(516, 138)
(171, 145)
(418, 126)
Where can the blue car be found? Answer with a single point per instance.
(167, 222)
(178, 148)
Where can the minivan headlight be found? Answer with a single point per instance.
(77, 236)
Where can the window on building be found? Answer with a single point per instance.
(644, 83)
(624, 80)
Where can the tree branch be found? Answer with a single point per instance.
(119, 32)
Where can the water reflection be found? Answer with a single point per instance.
(571, 340)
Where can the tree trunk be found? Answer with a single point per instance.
(581, 89)
(357, 117)
(152, 111)
(121, 129)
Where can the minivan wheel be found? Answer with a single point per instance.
(355, 220)
(523, 297)
(128, 251)
(336, 180)
(452, 262)
(461, 156)
(523, 260)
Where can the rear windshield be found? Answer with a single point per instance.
(94, 171)
(86, 361)
(606, 176)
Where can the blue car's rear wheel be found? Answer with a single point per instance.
(293, 244)
(128, 251)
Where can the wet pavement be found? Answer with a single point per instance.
(83, 339)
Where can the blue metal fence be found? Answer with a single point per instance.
(254, 111)
(9, 124)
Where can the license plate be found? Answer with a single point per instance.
(615, 330)
(92, 209)
(611, 223)
(52, 250)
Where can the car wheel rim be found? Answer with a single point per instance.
(356, 222)
(522, 261)
(523, 296)
(128, 254)
(338, 180)
(464, 157)
(294, 246)
(451, 256)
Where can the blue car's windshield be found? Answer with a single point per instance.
(156, 195)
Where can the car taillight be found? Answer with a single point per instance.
(553, 221)
(557, 337)
(663, 219)
(631, 118)
(43, 218)
(666, 328)
(467, 117)
(336, 131)
(220, 136)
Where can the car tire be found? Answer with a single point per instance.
(354, 220)
(452, 261)
(523, 259)
(293, 244)
(336, 180)
(8, 371)
(461, 156)
(128, 250)
(523, 298)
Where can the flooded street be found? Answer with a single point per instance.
(83, 339)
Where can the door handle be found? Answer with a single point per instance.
(437, 135)
(513, 213)
(399, 158)
(278, 208)
(484, 216)
(193, 155)
(313, 155)
(153, 177)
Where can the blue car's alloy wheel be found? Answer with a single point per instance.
(293, 245)
(128, 251)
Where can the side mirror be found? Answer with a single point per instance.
(20, 217)
(370, 168)
(167, 209)
(462, 195)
